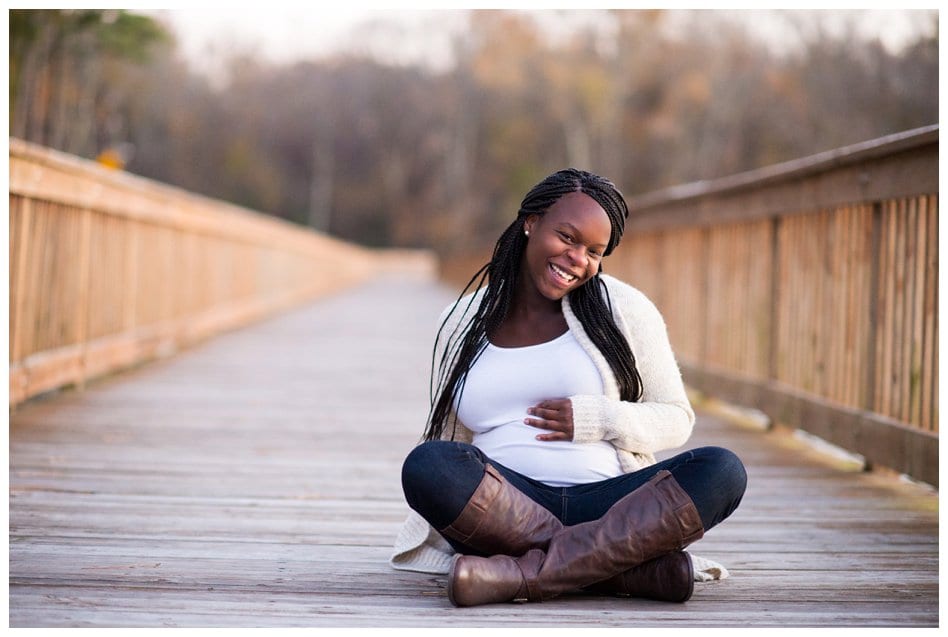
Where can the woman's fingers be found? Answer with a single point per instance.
(555, 415)
(557, 429)
(553, 437)
(552, 425)
(548, 414)
(555, 404)
(559, 409)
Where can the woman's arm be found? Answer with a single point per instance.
(664, 418)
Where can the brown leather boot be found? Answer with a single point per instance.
(500, 518)
(669, 578)
(655, 519)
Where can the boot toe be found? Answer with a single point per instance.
(459, 582)
(474, 581)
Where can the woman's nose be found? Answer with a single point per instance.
(577, 254)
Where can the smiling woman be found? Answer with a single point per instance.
(568, 242)
(554, 387)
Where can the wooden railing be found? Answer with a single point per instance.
(108, 269)
(808, 290)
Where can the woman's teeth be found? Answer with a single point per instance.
(565, 276)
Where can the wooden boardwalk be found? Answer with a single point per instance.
(253, 481)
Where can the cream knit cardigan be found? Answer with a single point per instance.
(663, 419)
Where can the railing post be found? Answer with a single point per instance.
(18, 311)
(84, 284)
(129, 311)
(705, 294)
(773, 344)
(869, 378)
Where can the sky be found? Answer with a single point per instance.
(281, 33)
(292, 33)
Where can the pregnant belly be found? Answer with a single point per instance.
(556, 463)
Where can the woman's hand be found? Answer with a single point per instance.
(555, 415)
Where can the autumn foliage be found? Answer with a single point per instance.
(387, 154)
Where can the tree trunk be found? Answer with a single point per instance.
(35, 62)
(576, 135)
(321, 180)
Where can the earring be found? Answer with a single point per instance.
(526, 232)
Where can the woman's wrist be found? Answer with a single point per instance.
(589, 418)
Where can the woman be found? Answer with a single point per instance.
(555, 386)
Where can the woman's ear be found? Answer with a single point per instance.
(529, 222)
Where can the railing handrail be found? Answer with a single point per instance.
(788, 170)
(156, 202)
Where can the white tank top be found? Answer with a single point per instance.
(505, 382)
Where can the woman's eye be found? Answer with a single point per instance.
(566, 237)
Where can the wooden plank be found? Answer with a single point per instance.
(930, 348)
(817, 314)
(848, 328)
(915, 273)
(860, 352)
(934, 349)
(289, 609)
(875, 340)
(843, 325)
(20, 271)
(83, 263)
(887, 321)
(901, 298)
(725, 603)
(117, 553)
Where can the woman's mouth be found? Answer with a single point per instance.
(561, 275)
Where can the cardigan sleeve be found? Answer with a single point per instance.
(663, 419)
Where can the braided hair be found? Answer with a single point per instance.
(590, 302)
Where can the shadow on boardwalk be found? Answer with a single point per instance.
(254, 481)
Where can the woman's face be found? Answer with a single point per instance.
(565, 244)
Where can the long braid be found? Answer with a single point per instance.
(590, 302)
(590, 306)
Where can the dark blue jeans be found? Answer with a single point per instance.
(439, 477)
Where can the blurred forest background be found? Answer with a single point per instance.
(403, 155)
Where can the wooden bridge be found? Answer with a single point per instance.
(252, 479)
